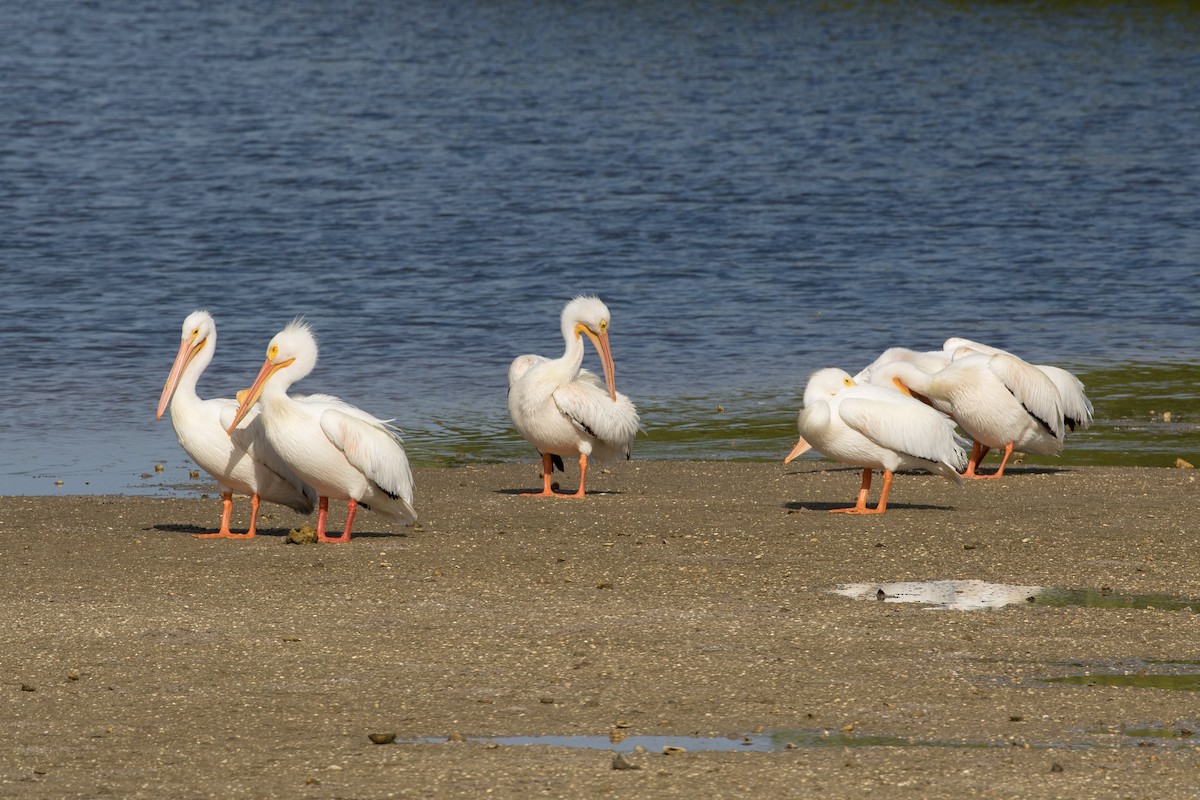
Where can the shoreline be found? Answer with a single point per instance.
(681, 598)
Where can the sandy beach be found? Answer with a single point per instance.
(689, 599)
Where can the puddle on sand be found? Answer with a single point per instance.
(776, 741)
(972, 595)
(1188, 682)
(1185, 732)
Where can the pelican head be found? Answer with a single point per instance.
(199, 335)
(825, 383)
(588, 315)
(292, 354)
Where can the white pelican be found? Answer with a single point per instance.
(875, 427)
(563, 410)
(242, 462)
(999, 400)
(1077, 408)
(926, 361)
(339, 450)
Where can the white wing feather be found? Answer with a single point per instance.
(905, 425)
(1036, 392)
(374, 448)
(587, 404)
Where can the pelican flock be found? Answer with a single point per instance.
(992, 395)
(343, 452)
(240, 460)
(901, 412)
(564, 410)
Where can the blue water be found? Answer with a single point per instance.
(756, 189)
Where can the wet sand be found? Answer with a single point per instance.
(682, 598)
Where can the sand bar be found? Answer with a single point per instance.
(689, 599)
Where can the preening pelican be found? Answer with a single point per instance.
(926, 361)
(239, 462)
(998, 400)
(343, 452)
(564, 410)
(875, 427)
(1077, 408)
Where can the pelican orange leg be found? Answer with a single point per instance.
(351, 510)
(861, 506)
(978, 451)
(582, 476)
(547, 466)
(546, 491)
(323, 514)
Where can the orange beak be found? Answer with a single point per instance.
(248, 397)
(800, 449)
(186, 353)
(610, 372)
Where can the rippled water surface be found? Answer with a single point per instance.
(756, 189)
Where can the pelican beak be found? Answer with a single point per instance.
(899, 384)
(248, 397)
(600, 340)
(800, 449)
(187, 351)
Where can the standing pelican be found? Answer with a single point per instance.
(874, 427)
(339, 450)
(241, 462)
(1077, 408)
(999, 400)
(564, 410)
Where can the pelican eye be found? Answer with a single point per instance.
(272, 351)
(847, 381)
(604, 326)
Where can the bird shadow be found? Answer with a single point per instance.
(194, 529)
(814, 505)
(587, 493)
(278, 533)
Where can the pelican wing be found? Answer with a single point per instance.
(586, 403)
(1036, 392)
(1077, 409)
(373, 447)
(905, 425)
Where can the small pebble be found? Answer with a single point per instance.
(671, 750)
(621, 762)
(382, 738)
(456, 737)
(158, 467)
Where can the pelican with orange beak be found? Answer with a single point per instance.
(341, 451)
(242, 461)
(875, 428)
(564, 410)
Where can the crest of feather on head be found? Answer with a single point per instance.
(587, 310)
(296, 338)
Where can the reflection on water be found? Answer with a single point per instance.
(968, 595)
(973, 595)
